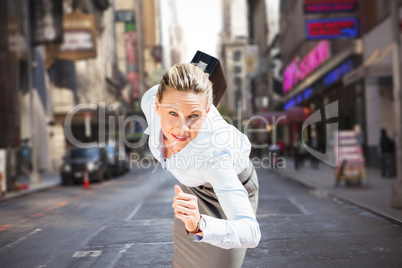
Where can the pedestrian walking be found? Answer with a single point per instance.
(392, 156)
(217, 198)
(386, 148)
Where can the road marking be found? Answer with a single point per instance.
(82, 254)
(7, 226)
(132, 214)
(156, 243)
(61, 204)
(299, 206)
(23, 238)
(117, 257)
(163, 221)
(37, 215)
(278, 215)
(126, 246)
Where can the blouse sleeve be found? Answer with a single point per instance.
(241, 229)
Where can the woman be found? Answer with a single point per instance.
(218, 193)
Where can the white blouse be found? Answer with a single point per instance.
(216, 155)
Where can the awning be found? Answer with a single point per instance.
(295, 114)
(374, 66)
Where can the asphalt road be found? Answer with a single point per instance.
(127, 222)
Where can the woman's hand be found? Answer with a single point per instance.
(186, 208)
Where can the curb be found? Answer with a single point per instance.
(340, 197)
(15, 195)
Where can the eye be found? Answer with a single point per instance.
(194, 116)
(173, 113)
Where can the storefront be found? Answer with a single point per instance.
(323, 86)
(375, 76)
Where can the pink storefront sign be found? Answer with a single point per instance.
(290, 76)
(314, 59)
(297, 70)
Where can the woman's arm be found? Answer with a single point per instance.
(241, 229)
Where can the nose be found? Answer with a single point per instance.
(184, 126)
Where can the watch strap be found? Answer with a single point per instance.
(197, 230)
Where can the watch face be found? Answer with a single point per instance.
(203, 224)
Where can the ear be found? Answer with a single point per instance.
(157, 109)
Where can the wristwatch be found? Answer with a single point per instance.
(201, 226)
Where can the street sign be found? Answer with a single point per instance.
(79, 37)
(124, 16)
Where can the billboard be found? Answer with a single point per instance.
(79, 37)
(332, 28)
(325, 6)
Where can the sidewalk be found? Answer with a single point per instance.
(373, 195)
(48, 180)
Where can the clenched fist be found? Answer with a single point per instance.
(186, 209)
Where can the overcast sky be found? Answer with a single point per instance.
(201, 21)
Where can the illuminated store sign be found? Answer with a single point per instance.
(323, 6)
(330, 78)
(307, 93)
(297, 70)
(338, 73)
(331, 28)
(290, 75)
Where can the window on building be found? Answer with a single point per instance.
(236, 56)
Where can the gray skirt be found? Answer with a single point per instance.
(188, 253)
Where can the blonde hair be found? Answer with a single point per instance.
(186, 77)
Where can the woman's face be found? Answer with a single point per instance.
(182, 115)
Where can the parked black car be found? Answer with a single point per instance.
(78, 160)
(118, 160)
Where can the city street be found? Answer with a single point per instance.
(126, 222)
(88, 87)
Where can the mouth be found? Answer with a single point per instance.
(180, 138)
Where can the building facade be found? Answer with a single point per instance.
(322, 71)
(236, 102)
(49, 67)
